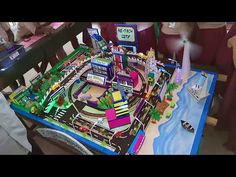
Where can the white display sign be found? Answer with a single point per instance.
(126, 34)
(36, 78)
(96, 79)
(14, 55)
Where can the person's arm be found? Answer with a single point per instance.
(37, 29)
(68, 24)
(10, 36)
(232, 43)
(7, 29)
(45, 23)
(44, 30)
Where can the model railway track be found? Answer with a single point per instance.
(121, 145)
(92, 114)
(132, 102)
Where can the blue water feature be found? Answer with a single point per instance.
(173, 138)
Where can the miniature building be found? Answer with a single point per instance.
(119, 115)
(125, 79)
(102, 67)
(125, 87)
(134, 76)
(137, 143)
(120, 57)
(151, 64)
(99, 41)
(120, 60)
(178, 78)
(96, 79)
(162, 90)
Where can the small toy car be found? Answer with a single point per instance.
(55, 86)
(83, 129)
(118, 134)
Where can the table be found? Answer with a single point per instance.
(39, 51)
(184, 108)
(168, 136)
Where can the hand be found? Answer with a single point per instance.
(69, 24)
(48, 30)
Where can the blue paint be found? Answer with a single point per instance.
(131, 148)
(173, 138)
(198, 136)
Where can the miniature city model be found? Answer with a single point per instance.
(108, 100)
(83, 88)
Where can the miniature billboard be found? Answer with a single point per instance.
(91, 32)
(96, 79)
(127, 36)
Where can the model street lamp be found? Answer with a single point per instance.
(112, 137)
(140, 122)
(90, 131)
(148, 103)
(174, 61)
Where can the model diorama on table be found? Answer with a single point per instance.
(116, 101)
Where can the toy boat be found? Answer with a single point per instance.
(199, 90)
(187, 126)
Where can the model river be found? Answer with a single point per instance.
(174, 139)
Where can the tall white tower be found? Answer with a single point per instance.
(186, 68)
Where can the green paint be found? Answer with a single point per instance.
(168, 115)
(65, 126)
(84, 134)
(103, 143)
(20, 107)
(86, 88)
(50, 120)
(172, 104)
(50, 106)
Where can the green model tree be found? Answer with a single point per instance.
(105, 102)
(156, 116)
(171, 87)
